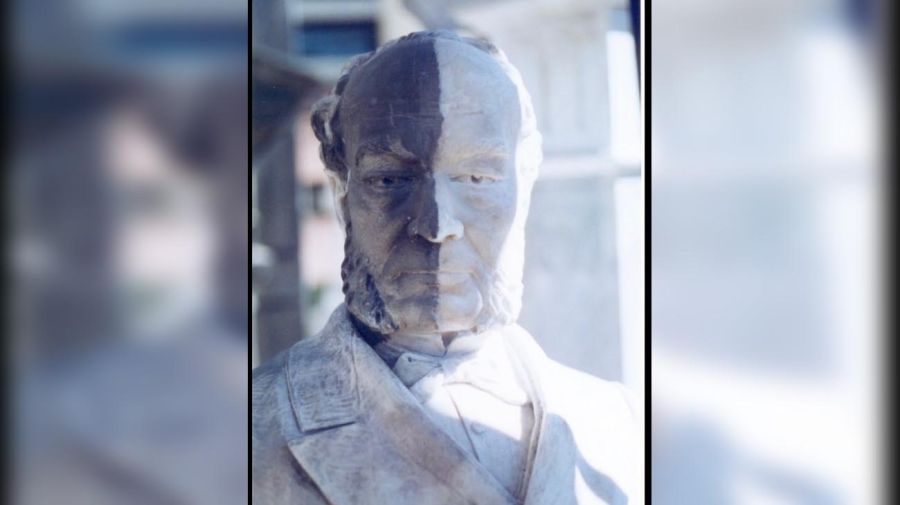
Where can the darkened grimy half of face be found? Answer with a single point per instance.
(429, 128)
(390, 122)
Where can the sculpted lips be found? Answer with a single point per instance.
(433, 278)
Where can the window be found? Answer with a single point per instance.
(334, 39)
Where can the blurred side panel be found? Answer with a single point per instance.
(767, 174)
(129, 251)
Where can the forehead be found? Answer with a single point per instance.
(421, 94)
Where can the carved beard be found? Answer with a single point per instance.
(501, 289)
(503, 299)
(361, 295)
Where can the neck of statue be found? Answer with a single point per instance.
(433, 344)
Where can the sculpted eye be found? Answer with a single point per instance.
(389, 181)
(474, 179)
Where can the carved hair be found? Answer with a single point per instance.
(326, 117)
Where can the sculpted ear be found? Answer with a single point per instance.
(323, 119)
(339, 195)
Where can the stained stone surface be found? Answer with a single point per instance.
(432, 150)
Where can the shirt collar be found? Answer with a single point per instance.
(478, 360)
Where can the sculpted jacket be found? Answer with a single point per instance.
(333, 425)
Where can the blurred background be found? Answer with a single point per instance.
(131, 233)
(767, 276)
(579, 59)
(129, 252)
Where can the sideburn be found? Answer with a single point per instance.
(361, 296)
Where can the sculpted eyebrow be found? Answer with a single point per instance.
(379, 149)
(492, 157)
(488, 151)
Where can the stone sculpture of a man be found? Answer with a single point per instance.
(421, 389)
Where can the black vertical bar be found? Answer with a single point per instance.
(634, 12)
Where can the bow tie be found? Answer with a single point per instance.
(488, 370)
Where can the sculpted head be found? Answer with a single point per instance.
(431, 149)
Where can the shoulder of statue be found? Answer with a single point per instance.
(563, 383)
(524, 343)
(301, 363)
(319, 350)
(337, 331)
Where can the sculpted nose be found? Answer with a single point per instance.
(436, 221)
(448, 227)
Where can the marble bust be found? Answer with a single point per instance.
(421, 388)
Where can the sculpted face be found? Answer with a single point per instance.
(430, 131)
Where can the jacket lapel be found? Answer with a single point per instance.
(363, 438)
(557, 472)
(550, 453)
